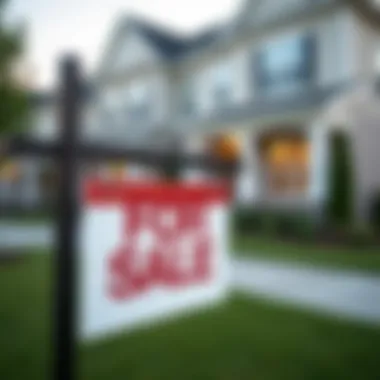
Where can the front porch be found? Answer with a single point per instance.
(282, 164)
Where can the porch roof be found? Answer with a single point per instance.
(312, 99)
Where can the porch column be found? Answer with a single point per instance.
(247, 185)
(318, 180)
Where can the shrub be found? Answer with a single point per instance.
(362, 238)
(269, 223)
(301, 225)
(279, 223)
(375, 211)
(247, 220)
(340, 181)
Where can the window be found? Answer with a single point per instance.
(222, 85)
(286, 160)
(188, 104)
(221, 95)
(138, 108)
(138, 113)
(286, 63)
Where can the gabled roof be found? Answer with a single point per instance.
(205, 39)
(167, 44)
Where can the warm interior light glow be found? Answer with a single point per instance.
(286, 161)
(226, 146)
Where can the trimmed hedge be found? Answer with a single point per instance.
(301, 227)
(277, 223)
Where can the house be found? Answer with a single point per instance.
(268, 77)
(277, 79)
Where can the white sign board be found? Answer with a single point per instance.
(149, 251)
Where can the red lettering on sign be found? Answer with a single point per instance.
(161, 246)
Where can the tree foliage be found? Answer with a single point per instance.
(13, 99)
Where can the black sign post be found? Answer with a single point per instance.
(65, 259)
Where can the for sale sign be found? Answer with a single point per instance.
(150, 251)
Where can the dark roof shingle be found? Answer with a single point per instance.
(170, 46)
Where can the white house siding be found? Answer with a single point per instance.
(271, 7)
(133, 71)
(153, 87)
(160, 87)
(230, 68)
(264, 10)
(348, 49)
(247, 188)
(130, 52)
(337, 53)
(337, 49)
(366, 42)
(202, 93)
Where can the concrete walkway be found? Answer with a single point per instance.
(345, 294)
(13, 235)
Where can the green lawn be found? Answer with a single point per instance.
(264, 247)
(243, 339)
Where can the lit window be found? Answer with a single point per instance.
(286, 163)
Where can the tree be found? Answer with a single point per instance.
(13, 105)
(368, 10)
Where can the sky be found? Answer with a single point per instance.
(55, 27)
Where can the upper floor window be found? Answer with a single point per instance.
(222, 85)
(221, 95)
(286, 63)
(138, 113)
(187, 98)
(138, 107)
